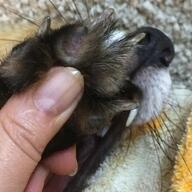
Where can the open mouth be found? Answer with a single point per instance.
(150, 80)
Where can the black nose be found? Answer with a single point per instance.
(157, 45)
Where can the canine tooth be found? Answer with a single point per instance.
(131, 117)
(103, 131)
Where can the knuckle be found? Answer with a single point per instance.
(20, 132)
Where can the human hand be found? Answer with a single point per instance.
(28, 121)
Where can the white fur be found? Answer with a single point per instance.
(155, 84)
(116, 35)
(141, 166)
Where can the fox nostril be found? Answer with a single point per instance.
(156, 47)
(166, 56)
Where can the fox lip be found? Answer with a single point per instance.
(151, 77)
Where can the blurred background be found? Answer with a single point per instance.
(173, 17)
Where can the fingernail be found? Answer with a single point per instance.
(61, 87)
(74, 172)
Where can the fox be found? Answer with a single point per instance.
(124, 71)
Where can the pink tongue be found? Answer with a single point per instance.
(57, 183)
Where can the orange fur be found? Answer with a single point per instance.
(182, 179)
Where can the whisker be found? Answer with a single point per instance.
(156, 151)
(159, 143)
(159, 136)
(175, 142)
(129, 143)
(167, 117)
(169, 132)
(77, 11)
(176, 104)
(185, 163)
(20, 15)
(179, 117)
(171, 104)
(87, 8)
(176, 99)
(14, 40)
(164, 142)
(59, 12)
(162, 148)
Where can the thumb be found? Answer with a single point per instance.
(29, 120)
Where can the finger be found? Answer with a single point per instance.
(29, 120)
(37, 180)
(62, 162)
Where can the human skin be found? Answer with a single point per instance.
(28, 121)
